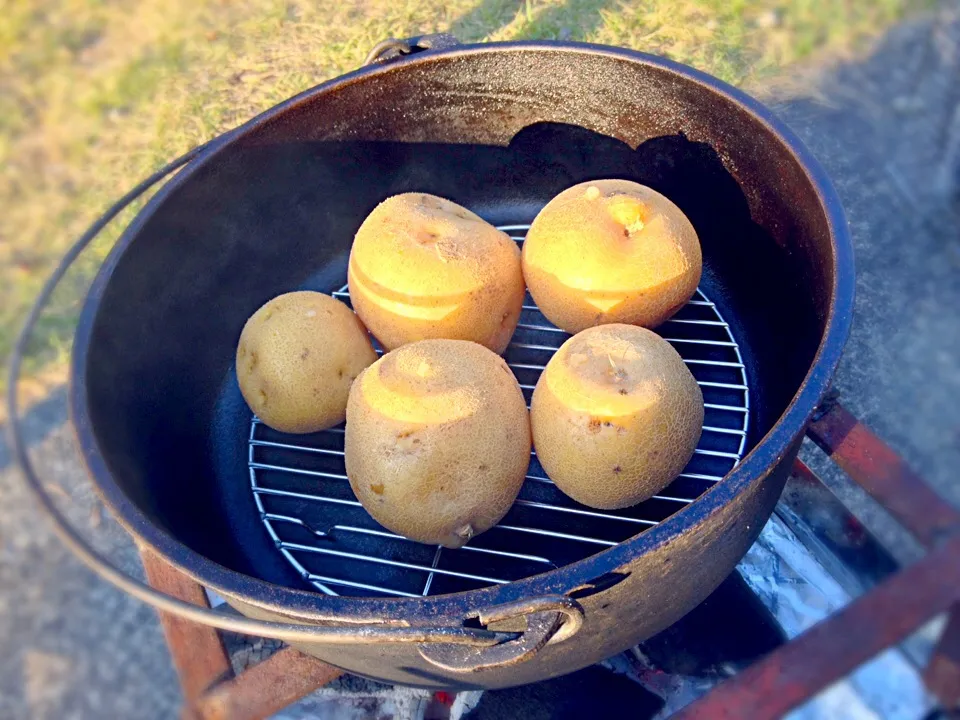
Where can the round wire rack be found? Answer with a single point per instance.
(300, 485)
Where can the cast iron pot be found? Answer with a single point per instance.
(500, 128)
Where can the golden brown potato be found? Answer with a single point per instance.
(423, 267)
(616, 415)
(296, 360)
(437, 441)
(611, 251)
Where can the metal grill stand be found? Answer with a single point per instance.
(769, 688)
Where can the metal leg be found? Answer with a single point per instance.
(210, 688)
(197, 650)
(873, 465)
(266, 688)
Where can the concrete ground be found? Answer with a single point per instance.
(886, 127)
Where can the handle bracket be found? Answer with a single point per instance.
(392, 49)
(549, 619)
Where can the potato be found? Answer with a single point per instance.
(437, 440)
(616, 416)
(296, 360)
(423, 267)
(611, 251)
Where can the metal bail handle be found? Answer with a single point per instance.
(392, 49)
(548, 618)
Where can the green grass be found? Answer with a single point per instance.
(95, 94)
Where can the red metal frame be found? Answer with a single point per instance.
(882, 473)
(769, 688)
(878, 619)
(211, 690)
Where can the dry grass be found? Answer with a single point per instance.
(94, 94)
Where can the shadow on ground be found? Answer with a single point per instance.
(42, 419)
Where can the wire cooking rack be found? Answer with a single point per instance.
(301, 490)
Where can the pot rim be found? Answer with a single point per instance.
(314, 606)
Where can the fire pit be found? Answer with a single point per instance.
(812, 558)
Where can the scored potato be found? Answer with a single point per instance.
(611, 251)
(422, 267)
(437, 440)
(616, 416)
(296, 359)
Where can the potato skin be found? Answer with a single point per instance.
(611, 251)
(422, 267)
(296, 359)
(437, 440)
(615, 416)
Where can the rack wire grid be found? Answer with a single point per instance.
(300, 485)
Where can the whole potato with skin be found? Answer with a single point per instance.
(616, 416)
(422, 267)
(437, 440)
(611, 251)
(296, 359)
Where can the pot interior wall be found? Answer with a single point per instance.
(499, 132)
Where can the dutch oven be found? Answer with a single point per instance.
(501, 128)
